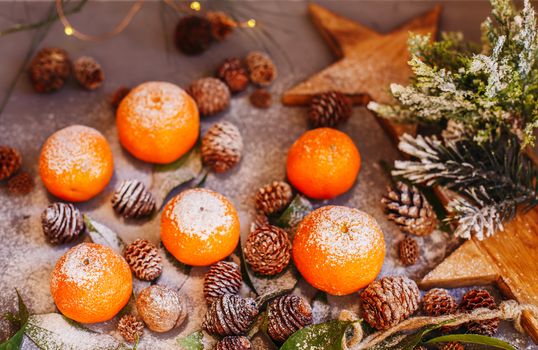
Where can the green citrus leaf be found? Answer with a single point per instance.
(324, 336)
(473, 339)
(22, 320)
(295, 212)
(14, 343)
(103, 235)
(194, 341)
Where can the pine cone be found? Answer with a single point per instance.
(261, 98)
(268, 250)
(261, 68)
(222, 146)
(328, 109)
(286, 315)
(233, 74)
(62, 223)
(118, 96)
(259, 221)
(130, 328)
(144, 259)
(132, 200)
(274, 197)
(10, 161)
(475, 299)
(453, 345)
(211, 95)
(409, 251)
(234, 342)
(49, 69)
(21, 184)
(221, 25)
(438, 302)
(224, 277)
(193, 35)
(230, 315)
(410, 210)
(89, 73)
(389, 301)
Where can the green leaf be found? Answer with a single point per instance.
(473, 339)
(101, 234)
(193, 341)
(15, 341)
(22, 319)
(295, 212)
(23, 310)
(324, 336)
(167, 177)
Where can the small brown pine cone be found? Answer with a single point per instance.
(118, 96)
(286, 315)
(268, 250)
(259, 221)
(88, 73)
(222, 147)
(234, 342)
(230, 315)
(130, 328)
(387, 302)
(62, 223)
(224, 277)
(438, 302)
(453, 345)
(20, 184)
(211, 95)
(222, 25)
(144, 259)
(475, 299)
(409, 251)
(329, 109)
(233, 74)
(193, 35)
(274, 197)
(10, 161)
(261, 68)
(261, 98)
(132, 200)
(410, 210)
(49, 69)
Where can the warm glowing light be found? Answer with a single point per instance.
(68, 31)
(195, 5)
(251, 23)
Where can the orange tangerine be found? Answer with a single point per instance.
(76, 163)
(323, 163)
(338, 249)
(158, 122)
(91, 283)
(200, 227)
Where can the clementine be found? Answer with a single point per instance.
(76, 163)
(323, 163)
(200, 227)
(338, 249)
(158, 122)
(91, 283)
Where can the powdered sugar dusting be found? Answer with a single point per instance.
(156, 104)
(342, 232)
(74, 148)
(200, 212)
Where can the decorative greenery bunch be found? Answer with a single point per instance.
(488, 91)
(487, 100)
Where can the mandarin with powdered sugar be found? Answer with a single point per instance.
(339, 250)
(200, 227)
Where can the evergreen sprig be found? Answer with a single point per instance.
(490, 90)
(494, 178)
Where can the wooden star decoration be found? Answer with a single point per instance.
(369, 63)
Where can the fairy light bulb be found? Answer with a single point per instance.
(196, 6)
(251, 23)
(68, 30)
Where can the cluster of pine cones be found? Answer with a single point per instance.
(51, 67)
(17, 182)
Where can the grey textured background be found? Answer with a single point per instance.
(144, 52)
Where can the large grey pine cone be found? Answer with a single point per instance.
(132, 200)
(224, 277)
(286, 315)
(230, 315)
(387, 302)
(62, 223)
